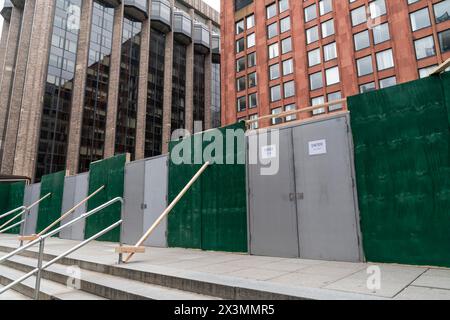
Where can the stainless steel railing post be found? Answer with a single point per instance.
(39, 269)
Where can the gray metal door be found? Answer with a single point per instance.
(75, 191)
(134, 202)
(327, 216)
(155, 199)
(32, 194)
(273, 216)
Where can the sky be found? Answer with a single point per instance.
(213, 3)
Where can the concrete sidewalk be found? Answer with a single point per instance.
(323, 279)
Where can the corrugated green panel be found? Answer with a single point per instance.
(213, 214)
(11, 197)
(50, 208)
(109, 172)
(401, 137)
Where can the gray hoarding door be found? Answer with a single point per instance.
(133, 211)
(32, 194)
(273, 216)
(325, 197)
(155, 197)
(75, 191)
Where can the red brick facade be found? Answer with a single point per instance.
(401, 41)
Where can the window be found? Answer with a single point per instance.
(288, 67)
(273, 51)
(240, 64)
(241, 104)
(286, 45)
(252, 80)
(271, 10)
(444, 40)
(310, 13)
(318, 101)
(388, 82)
(424, 47)
(240, 84)
(367, 87)
(312, 34)
(315, 80)
(239, 4)
(442, 11)
(252, 100)
(272, 30)
(332, 97)
(275, 93)
(381, 33)
(274, 71)
(377, 8)
(358, 16)
(283, 5)
(314, 57)
(290, 107)
(420, 19)
(332, 76)
(364, 66)
(251, 59)
(361, 40)
(250, 21)
(240, 45)
(289, 89)
(325, 6)
(329, 51)
(385, 60)
(285, 24)
(327, 28)
(253, 125)
(277, 120)
(251, 40)
(239, 26)
(425, 72)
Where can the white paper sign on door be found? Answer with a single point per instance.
(317, 147)
(268, 152)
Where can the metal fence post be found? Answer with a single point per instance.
(24, 226)
(121, 231)
(39, 267)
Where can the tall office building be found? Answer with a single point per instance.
(81, 80)
(288, 54)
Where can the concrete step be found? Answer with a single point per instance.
(208, 285)
(49, 290)
(104, 285)
(12, 295)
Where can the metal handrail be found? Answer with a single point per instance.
(42, 238)
(12, 211)
(24, 210)
(41, 267)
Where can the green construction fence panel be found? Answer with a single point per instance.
(213, 213)
(11, 197)
(50, 208)
(110, 173)
(402, 159)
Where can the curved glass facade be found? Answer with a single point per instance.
(97, 81)
(199, 88)
(155, 94)
(53, 137)
(178, 86)
(128, 88)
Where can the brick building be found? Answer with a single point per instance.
(282, 55)
(81, 80)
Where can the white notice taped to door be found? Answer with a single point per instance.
(317, 147)
(269, 152)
